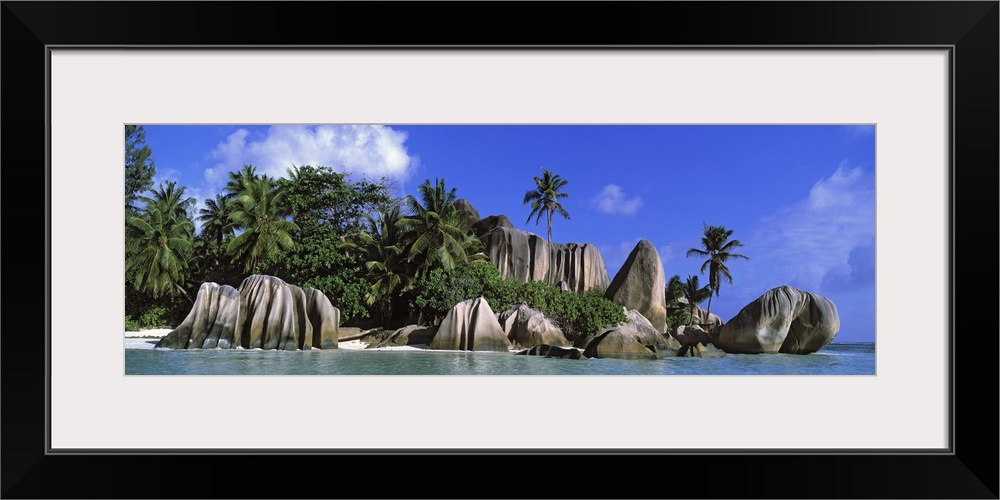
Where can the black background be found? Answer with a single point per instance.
(971, 472)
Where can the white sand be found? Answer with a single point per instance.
(155, 333)
(140, 343)
(145, 339)
(357, 345)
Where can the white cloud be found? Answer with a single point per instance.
(803, 243)
(612, 200)
(373, 150)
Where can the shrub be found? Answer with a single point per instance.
(578, 314)
(131, 325)
(154, 317)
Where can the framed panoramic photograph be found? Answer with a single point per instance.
(693, 249)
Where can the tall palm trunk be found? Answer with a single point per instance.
(709, 310)
(550, 226)
(186, 296)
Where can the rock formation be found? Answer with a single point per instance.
(211, 322)
(696, 342)
(470, 326)
(527, 327)
(490, 223)
(471, 212)
(408, 335)
(264, 313)
(785, 320)
(635, 339)
(640, 285)
(527, 257)
(550, 351)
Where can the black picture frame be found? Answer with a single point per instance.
(969, 28)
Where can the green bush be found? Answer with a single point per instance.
(131, 325)
(578, 314)
(154, 317)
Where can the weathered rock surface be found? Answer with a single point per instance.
(699, 350)
(470, 326)
(640, 285)
(696, 342)
(550, 351)
(272, 314)
(408, 335)
(264, 313)
(471, 212)
(527, 257)
(490, 223)
(783, 319)
(527, 327)
(211, 322)
(324, 318)
(635, 339)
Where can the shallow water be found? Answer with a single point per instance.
(834, 359)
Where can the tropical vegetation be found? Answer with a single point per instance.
(381, 260)
(544, 199)
(717, 246)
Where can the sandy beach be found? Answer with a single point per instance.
(144, 339)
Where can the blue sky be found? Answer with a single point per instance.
(801, 198)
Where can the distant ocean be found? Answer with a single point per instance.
(834, 359)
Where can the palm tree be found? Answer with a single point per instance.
(382, 243)
(718, 250)
(215, 225)
(695, 295)
(259, 214)
(238, 181)
(170, 198)
(157, 254)
(437, 229)
(545, 198)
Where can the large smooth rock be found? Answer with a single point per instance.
(783, 319)
(635, 339)
(408, 335)
(527, 327)
(210, 323)
(640, 285)
(265, 312)
(472, 215)
(272, 314)
(490, 223)
(696, 342)
(470, 326)
(527, 257)
(324, 318)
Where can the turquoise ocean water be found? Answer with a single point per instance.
(834, 359)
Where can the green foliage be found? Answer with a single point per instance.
(545, 198)
(131, 325)
(719, 249)
(154, 317)
(259, 212)
(577, 314)
(158, 242)
(677, 310)
(346, 290)
(329, 210)
(139, 167)
(695, 294)
(437, 232)
(678, 317)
